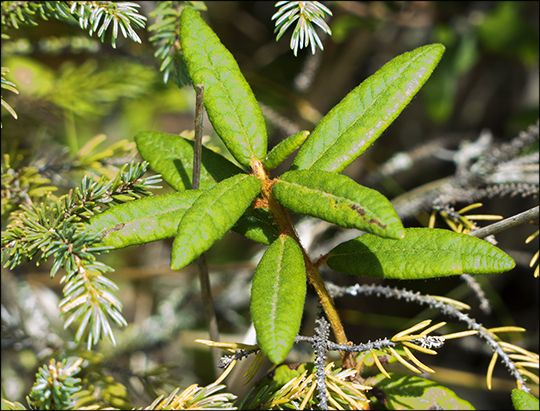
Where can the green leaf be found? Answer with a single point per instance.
(281, 151)
(423, 253)
(258, 225)
(523, 400)
(172, 157)
(229, 101)
(361, 117)
(338, 199)
(211, 216)
(277, 298)
(404, 392)
(144, 220)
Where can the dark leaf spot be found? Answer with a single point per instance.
(359, 209)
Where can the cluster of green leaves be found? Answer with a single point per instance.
(251, 203)
(18, 187)
(15, 13)
(55, 386)
(255, 205)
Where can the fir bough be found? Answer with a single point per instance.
(58, 229)
(94, 16)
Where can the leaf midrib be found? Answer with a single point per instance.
(332, 144)
(227, 94)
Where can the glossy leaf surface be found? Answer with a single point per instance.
(404, 392)
(229, 101)
(361, 117)
(277, 298)
(211, 216)
(144, 220)
(423, 253)
(285, 148)
(338, 199)
(172, 157)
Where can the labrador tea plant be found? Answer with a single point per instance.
(247, 199)
(256, 205)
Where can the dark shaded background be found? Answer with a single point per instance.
(488, 78)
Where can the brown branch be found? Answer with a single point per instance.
(204, 278)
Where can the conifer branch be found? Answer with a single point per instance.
(94, 16)
(58, 229)
(483, 169)
(166, 39)
(307, 13)
(443, 307)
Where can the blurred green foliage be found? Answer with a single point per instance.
(503, 31)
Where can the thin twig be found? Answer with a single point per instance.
(206, 291)
(485, 305)
(197, 149)
(482, 171)
(445, 308)
(507, 223)
(320, 347)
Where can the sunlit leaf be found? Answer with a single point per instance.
(211, 216)
(144, 220)
(280, 152)
(172, 157)
(523, 400)
(423, 253)
(361, 117)
(229, 101)
(338, 199)
(403, 392)
(277, 298)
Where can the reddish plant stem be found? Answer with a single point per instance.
(286, 227)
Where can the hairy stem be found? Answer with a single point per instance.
(507, 223)
(329, 308)
(286, 227)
